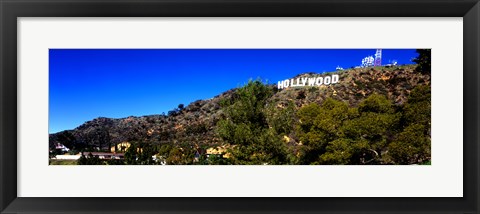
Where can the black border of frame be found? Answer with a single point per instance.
(10, 10)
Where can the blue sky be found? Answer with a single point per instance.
(88, 83)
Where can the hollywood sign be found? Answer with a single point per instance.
(308, 81)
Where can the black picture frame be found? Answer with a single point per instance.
(10, 10)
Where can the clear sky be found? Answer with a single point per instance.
(88, 83)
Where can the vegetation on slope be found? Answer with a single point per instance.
(373, 115)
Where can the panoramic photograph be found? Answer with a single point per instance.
(239, 107)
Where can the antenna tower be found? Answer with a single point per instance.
(378, 58)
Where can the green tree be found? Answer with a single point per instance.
(144, 154)
(89, 160)
(140, 153)
(131, 155)
(411, 146)
(338, 152)
(418, 107)
(246, 128)
(281, 119)
(115, 162)
(372, 130)
(335, 133)
(215, 160)
(424, 61)
(320, 125)
(82, 160)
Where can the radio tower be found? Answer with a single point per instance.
(378, 58)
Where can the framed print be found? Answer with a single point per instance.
(381, 104)
(270, 106)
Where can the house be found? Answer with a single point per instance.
(61, 147)
(220, 151)
(105, 155)
(67, 157)
(121, 147)
(100, 155)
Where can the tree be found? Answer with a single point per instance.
(173, 113)
(338, 152)
(335, 133)
(82, 160)
(411, 146)
(115, 162)
(89, 160)
(418, 107)
(320, 125)
(144, 154)
(180, 106)
(423, 60)
(212, 159)
(131, 155)
(246, 128)
(372, 130)
(281, 119)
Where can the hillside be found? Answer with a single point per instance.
(194, 126)
(356, 84)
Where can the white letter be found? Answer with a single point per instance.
(291, 83)
(311, 81)
(319, 80)
(334, 78)
(280, 84)
(327, 81)
(286, 83)
(304, 81)
(298, 82)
